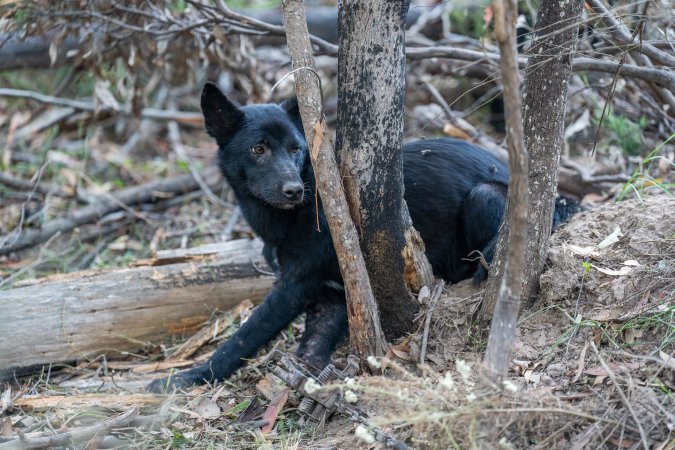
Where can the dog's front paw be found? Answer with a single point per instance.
(176, 382)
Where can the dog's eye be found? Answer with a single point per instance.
(258, 149)
(295, 149)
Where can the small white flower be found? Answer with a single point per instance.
(510, 386)
(311, 386)
(373, 362)
(435, 416)
(471, 397)
(447, 381)
(351, 397)
(464, 369)
(362, 433)
(350, 381)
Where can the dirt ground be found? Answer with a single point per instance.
(593, 367)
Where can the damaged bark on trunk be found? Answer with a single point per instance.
(371, 83)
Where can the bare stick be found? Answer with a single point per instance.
(19, 183)
(619, 31)
(231, 222)
(476, 134)
(364, 321)
(189, 118)
(325, 46)
(174, 137)
(77, 435)
(626, 401)
(651, 74)
(91, 213)
(438, 290)
(662, 77)
(503, 327)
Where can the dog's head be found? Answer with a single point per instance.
(262, 149)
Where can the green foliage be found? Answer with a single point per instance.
(468, 22)
(658, 322)
(641, 178)
(587, 266)
(628, 134)
(252, 4)
(236, 409)
(178, 440)
(178, 6)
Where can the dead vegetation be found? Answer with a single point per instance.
(86, 184)
(588, 371)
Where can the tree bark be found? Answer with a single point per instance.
(371, 83)
(364, 321)
(88, 313)
(503, 328)
(544, 103)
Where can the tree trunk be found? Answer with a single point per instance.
(88, 313)
(364, 322)
(371, 83)
(503, 328)
(544, 102)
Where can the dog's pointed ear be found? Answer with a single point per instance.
(221, 116)
(290, 105)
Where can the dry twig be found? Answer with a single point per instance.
(73, 436)
(130, 196)
(435, 296)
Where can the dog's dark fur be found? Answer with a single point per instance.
(455, 192)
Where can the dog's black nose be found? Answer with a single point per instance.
(292, 190)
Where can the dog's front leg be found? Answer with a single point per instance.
(284, 303)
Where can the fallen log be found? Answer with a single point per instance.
(82, 315)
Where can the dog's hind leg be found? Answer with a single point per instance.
(483, 210)
(326, 325)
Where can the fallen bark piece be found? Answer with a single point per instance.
(206, 334)
(81, 315)
(114, 402)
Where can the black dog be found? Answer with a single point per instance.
(455, 192)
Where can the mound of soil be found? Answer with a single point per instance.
(641, 260)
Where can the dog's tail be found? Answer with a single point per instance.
(565, 208)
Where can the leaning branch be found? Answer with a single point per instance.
(364, 322)
(503, 327)
(325, 46)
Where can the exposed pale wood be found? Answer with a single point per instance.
(107, 401)
(207, 333)
(85, 314)
(173, 256)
